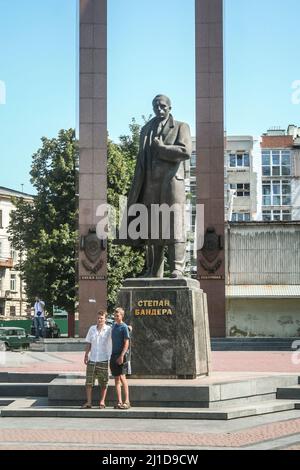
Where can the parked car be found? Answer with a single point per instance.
(14, 338)
(51, 329)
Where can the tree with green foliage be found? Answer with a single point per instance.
(46, 229)
(123, 261)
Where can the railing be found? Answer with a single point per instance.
(9, 295)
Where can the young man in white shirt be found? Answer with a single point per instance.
(39, 317)
(96, 358)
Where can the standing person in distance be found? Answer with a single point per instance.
(39, 317)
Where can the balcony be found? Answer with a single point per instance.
(6, 294)
(6, 263)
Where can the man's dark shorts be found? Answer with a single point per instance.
(116, 369)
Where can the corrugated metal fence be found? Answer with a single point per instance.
(263, 253)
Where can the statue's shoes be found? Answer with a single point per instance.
(144, 275)
(177, 275)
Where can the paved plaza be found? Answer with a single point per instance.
(222, 361)
(278, 431)
(272, 431)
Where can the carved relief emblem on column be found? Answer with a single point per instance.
(213, 244)
(92, 247)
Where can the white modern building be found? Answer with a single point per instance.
(240, 179)
(12, 296)
(280, 161)
(190, 186)
(262, 192)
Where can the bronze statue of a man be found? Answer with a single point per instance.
(159, 180)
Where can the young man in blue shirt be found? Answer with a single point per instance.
(119, 366)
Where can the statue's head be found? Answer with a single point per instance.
(162, 106)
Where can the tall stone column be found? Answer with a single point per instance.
(93, 158)
(210, 156)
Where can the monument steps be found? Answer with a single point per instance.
(273, 406)
(203, 398)
(201, 393)
(23, 389)
(217, 344)
(6, 401)
(59, 345)
(290, 393)
(27, 377)
(253, 344)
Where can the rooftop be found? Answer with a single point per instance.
(12, 192)
(263, 291)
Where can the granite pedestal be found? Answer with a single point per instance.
(170, 337)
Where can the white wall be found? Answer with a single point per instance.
(263, 317)
(5, 274)
(5, 207)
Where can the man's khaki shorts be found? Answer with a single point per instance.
(99, 371)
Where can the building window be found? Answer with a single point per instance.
(286, 216)
(12, 311)
(193, 160)
(193, 191)
(277, 215)
(13, 282)
(193, 185)
(239, 160)
(193, 218)
(13, 254)
(193, 164)
(1, 219)
(241, 217)
(276, 163)
(241, 190)
(277, 193)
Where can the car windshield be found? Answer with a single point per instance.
(16, 333)
(6, 332)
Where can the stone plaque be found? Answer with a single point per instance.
(170, 337)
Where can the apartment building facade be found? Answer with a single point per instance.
(262, 181)
(241, 183)
(190, 187)
(13, 300)
(240, 179)
(280, 161)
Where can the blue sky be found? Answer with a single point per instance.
(151, 50)
(37, 62)
(262, 41)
